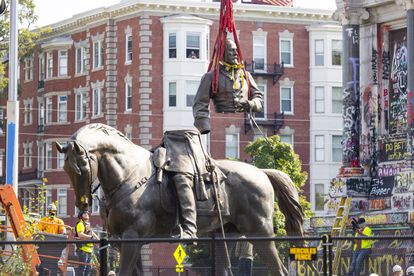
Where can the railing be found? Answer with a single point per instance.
(276, 122)
(274, 70)
(41, 84)
(40, 128)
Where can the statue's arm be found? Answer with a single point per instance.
(201, 104)
(256, 98)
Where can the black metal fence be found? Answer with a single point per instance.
(302, 256)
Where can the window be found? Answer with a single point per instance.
(172, 45)
(28, 113)
(80, 105)
(128, 97)
(98, 101)
(41, 68)
(62, 201)
(95, 201)
(193, 46)
(48, 198)
(80, 60)
(172, 94)
(40, 157)
(286, 52)
(262, 115)
(1, 121)
(319, 148)
(98, 54)
(286, 139)
(28, 69)
(190, 92)
(336, 52)
(319, 99)
(232, 145)
(128, 132)
(49, 110)
(286, 100)
(41, 114)
(319, 197)
(319, 53)
(61, 158)
(27, 155)
(336, 148)
(337, 100)
(62, 108)
(259, 53)
(128, 48)
(49, 63)
(49, 156)
(207, 47)
(63, 63)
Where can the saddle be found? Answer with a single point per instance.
(182, 151)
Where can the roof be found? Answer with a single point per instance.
(287, 3)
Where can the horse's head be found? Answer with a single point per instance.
(82, 168)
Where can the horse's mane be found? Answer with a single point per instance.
(94, 136)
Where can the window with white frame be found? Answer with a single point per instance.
(193, 45)
(319, 52)
(286, 52)
(98, 101)
(40, 157)
(49, 110)
(62, 201)
(172, 45)
(128, 132)
(207, 47)
(61, 157)
(259, 52)
(41, 112)
(41, 67)
(286, 138)
(1, 120)
(337, 100)
(128, 48)
(26, 200)
(172, 94)
(62, 108)
(337, 52)
(49, 156)
(25, 155)
(262, 115)
(128, 96)
(80, 105)
(319, 99)
(28, 69)
(49, 64)
(336, 148)
(98, 54)
(190, 92)
(319, 197)
(286, 100)
(63, 63)
(48, 198)
(232, 145)
(81, 60)
(28, 113)
(319, 148)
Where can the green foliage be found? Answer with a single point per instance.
(27, 37)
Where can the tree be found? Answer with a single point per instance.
(27, 38)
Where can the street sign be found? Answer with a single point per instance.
(302, 253)
(179, 254)
(179, 268)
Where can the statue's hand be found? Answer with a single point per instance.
(243, 105)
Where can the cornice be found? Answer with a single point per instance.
(264, 13)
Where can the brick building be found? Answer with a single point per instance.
(136, 66)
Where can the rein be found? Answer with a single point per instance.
(91, 180)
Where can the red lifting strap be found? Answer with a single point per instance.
(226, 25)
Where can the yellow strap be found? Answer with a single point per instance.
(234, 67)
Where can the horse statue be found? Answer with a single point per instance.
(135, 208)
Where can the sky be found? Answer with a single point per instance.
(52, 11)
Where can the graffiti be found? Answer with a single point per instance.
(353, 33)
(380, 204)
(358, 186)
(393, 150)
(319, 222)
(337, 188)
(403, 182)
(389, 218)
(388, 171)
(359, 205)
(332, 205)
(386, 65)
(374, 66)
(402, 202)
(382, 187)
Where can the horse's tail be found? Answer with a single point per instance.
(288, 201)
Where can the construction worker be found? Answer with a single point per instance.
(84, 231)
(362, 248)
(50, 223)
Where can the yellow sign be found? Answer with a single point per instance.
(302, 253)
(179, 268)
(179, 254)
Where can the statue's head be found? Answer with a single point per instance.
(230, 55)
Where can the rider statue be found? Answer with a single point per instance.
(233, 93)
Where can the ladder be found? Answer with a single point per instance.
(338, 228)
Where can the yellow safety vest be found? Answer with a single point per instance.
(81, 227)
(365, 244)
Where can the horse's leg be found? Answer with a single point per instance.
(268, 254)
(129, 255)
(222, 261)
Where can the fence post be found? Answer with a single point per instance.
(325, 254)
(103, 257)
(330, 247)
(213, 254)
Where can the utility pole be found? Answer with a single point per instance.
(12, 144)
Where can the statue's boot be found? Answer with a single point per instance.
(183, 184)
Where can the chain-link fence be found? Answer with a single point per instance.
(303, 256)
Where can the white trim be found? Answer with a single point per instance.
(127, 60)
(260, 34)
(128, 83)
(315, 148)
(58, 108)
(263, 83)
(291, 99)
(63, 57)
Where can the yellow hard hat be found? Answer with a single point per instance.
(51, 207)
